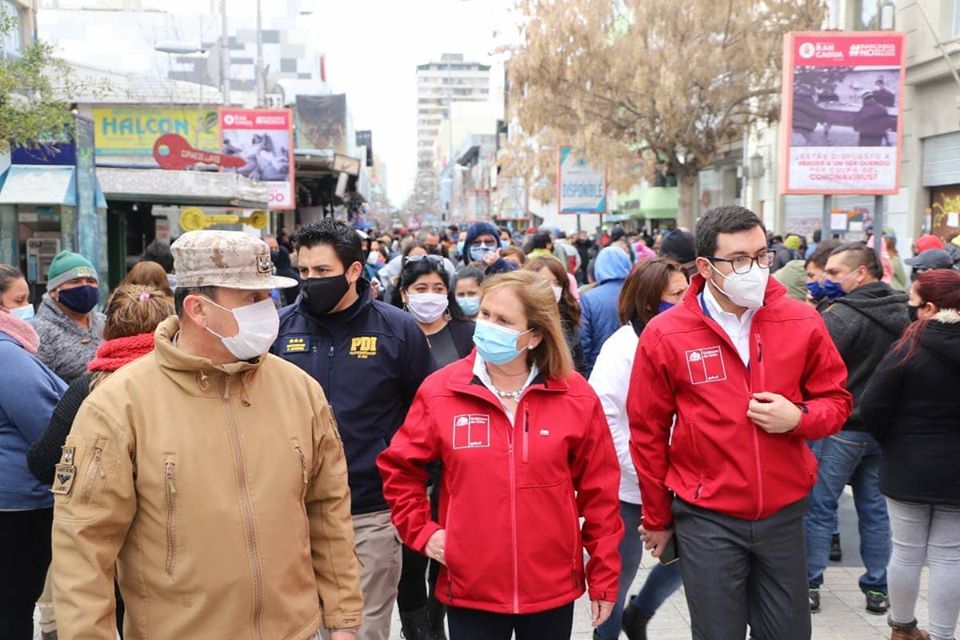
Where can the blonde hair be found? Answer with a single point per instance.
(552, 355)
(149, 274)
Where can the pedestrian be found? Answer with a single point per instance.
(133, 313)
(370, 358)
(679, 246)
(148, 274)
(652, 288)
(928, 261)
(528, 453)
(865, 318)
(541, 244)
(898, 278)
(872, 122)
(732, 473)
(599, 304)
(28, 393)
(159, 252)
(69, 326)
(466, 284)
(207, 476)
(283, 267)
(911, 408)
(813, 270)
(424, 294)
(513, 255)
(481, 248)
(552, 269)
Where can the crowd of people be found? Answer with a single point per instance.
(276, 437)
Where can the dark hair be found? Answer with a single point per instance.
(343, 238)
(181, 293)
(569, 307)
(160, 253)
(643, 289)
(861, 256)
(410, 246)
(821, 253)
(732, 219)
(540, 240)
(467, 273)
(941, 287)
(413, 271)
(8, 275)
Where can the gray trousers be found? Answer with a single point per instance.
(740, 572)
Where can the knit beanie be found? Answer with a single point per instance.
(67, 266)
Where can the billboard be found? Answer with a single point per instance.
(842, 113)
(322, 123)
(132, 131)
(581, 187)
(263, 138)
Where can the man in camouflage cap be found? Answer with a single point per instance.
(208, 477)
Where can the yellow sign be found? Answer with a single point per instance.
(132, 131)
(363, 347)
(194, 219)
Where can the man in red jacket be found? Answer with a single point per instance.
(744, 375)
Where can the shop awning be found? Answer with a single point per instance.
(39, 185)
(200, 188)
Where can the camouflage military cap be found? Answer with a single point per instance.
(230, 259)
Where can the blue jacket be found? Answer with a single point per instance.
(600, 320)
(29, 391)
(370, 360)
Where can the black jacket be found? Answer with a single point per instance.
(44, 454)
(462, 332)
(864, 324)
(370, 360)
(913, 410)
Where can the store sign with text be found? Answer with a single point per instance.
(133, 131)
(581, 187)
(263, 139)
(842, 113)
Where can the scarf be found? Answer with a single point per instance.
(20, 331)
(113, 354)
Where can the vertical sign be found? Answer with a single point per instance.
(581, 187)
(263, 138)
(842, 113)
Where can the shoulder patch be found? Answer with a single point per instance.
(296, 344)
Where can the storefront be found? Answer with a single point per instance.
(941, 176)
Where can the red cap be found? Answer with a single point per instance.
(927, 242)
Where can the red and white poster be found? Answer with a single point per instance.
(842, 113)
(264, 139)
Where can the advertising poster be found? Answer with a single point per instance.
(132, 131)
(263, 138)
(581, 187)
(842, 113)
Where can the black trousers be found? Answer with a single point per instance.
(471, 624)
(741, 572)
(24, 559)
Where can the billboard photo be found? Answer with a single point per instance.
(263, 138)
(842, 113)
(581, 187)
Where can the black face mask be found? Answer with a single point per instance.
(321, 295)
(80, 299)
(912, 310)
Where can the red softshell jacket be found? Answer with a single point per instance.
(511, 496)
(718, 459)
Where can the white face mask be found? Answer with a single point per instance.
(427, 307)
(258, 325)
(557, 292)
(747, 289)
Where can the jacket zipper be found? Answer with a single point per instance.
(170, 492)
(513, 522)
(756, 437)
(246, 510)
(526, 433)
(95, 466)
(576, 547)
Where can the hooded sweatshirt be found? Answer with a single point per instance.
(864, 324)
(599, 320)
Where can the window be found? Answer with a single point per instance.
(12, 43)
(873, 15)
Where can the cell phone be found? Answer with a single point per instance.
(670, 552)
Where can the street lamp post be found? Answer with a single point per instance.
(261, 85)
(224, 54)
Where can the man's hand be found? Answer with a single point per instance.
(655, 541)
(491, 258)
(436, 546)
(773, 413)
(600, 610)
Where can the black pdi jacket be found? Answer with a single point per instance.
(370, 360)
(913, 410)
(864, 324)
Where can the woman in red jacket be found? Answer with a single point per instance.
(526, 452)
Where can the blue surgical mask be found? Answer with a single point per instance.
(460, 247)
(664, 306)
(504, 244)
(816, 291)
(833, 290)
(470, 305)
(80, 299)
(496, 344)
(479, 252)
(24, 313)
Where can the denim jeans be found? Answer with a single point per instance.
(850, 457)
(660, 584)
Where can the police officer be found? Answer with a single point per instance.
(370, 359)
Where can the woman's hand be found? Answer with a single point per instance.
(437, 545)
(600, 610)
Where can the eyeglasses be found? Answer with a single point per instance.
(490, 244)
(429, 257)
(742, 264)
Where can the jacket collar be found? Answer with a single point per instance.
(463, 380)
(195, 375)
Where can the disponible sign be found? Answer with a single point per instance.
(263, 140)
(132, 131)
(842, 113)
(581, 187)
